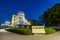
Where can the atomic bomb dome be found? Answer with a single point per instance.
(21, 13)
(19, 19)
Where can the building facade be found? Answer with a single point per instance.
(19, 19)
(13, 21)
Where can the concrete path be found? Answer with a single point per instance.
(4, 35)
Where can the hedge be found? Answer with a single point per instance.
(23, 31)
(50, 30)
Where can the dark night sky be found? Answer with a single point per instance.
(32, 8)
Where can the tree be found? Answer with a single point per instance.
(32, 21)
(51, 17)
(41, 20)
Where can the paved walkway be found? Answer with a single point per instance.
(4, 35)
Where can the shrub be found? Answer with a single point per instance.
(23, 31)
(49, 30)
